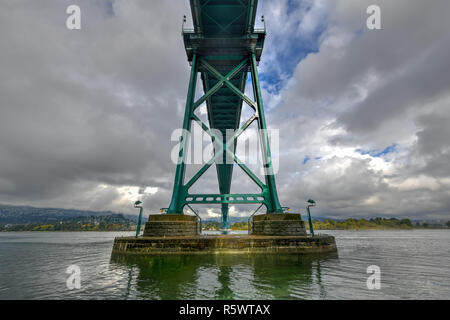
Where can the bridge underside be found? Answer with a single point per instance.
(224, 47)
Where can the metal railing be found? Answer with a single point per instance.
(250, 224)
(192, 30)
(198, 216)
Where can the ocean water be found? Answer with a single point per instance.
(413, 265)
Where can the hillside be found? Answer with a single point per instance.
(25, 218)
(26, 214)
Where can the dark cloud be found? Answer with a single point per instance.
(369, 90)
(86, 116)
(89, 107)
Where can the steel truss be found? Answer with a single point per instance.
(181, 196)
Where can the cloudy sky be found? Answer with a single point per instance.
(86, 116)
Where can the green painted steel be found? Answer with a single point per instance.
(224, 47)
(311, 203)
(137, 204)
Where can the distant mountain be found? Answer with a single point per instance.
(25, 214)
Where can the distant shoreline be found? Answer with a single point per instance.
(353, 224)
(68, 227)
(118, 223)
(87, 231)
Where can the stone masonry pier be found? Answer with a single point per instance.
(276, 224)
(224, 244)
(180, 234)
(162, 225)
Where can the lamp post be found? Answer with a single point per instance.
(137, 204)
(311, 203)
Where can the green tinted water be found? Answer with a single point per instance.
(414, 265)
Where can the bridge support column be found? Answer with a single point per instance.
(266, 154)
(171, 225)
(225, 220)
(288, 224)
(177, 203)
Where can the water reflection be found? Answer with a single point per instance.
(224, 276)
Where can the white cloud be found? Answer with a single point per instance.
(86, 117)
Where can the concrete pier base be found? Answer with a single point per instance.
(180, 234)
(225, 244)
(171, 225)
(278, 224)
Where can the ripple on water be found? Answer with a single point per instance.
(414, 265)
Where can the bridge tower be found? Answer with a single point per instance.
(224, 47)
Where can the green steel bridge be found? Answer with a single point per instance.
(224, 47)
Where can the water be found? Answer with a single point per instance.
(414, 265)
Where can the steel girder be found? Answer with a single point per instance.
(268, 195)
(224, 47)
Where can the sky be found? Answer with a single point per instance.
(86, 116)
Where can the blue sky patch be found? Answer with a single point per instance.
(110, 7)
(307, 158)
(300, 46)
(377, 152)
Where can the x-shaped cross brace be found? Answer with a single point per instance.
(225, 80)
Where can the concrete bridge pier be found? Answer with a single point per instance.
(180, 234)
(172, 225)
(278, 224)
